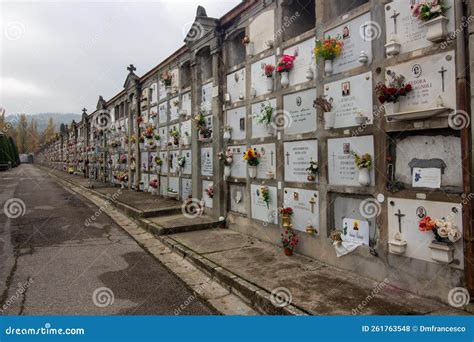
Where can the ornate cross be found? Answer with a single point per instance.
(442, 71)
(399, 215)
(287, 158)
(394, 17)
(312, 201)
(131, 68)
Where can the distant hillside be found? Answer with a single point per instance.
(42, 119)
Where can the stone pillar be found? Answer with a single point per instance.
(138, 155)
(128, 106)
(195, 146)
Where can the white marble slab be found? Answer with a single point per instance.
(297, 157)
(305, 204)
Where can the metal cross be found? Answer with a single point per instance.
(442, 71)
(287, 158)
(271, 158)
(399, 215)
(131, 68)
(333, 161)
(312, 201)
(394, 17)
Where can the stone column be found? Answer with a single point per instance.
(128, 105)
(195, 146)
(138, 155)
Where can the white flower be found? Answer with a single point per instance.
(435, 9)
(443, 232)
(454, 234)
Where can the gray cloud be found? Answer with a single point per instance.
(60, 56)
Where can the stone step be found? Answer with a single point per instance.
(178, 223)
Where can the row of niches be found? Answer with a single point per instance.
(413, 91)
(419, 229)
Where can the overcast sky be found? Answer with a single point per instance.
(60, 56)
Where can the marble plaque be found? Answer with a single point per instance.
(163, 113)
(154, 93)
(357, 231)
(341, 167)
(433, 79)
(410, 32)
(186, 126)
(186, 188)
(299, 113)
(238, 199)
(304, 63)
(174, 108)
(161, 91)
(144, 161)
(236, 85)
(207, 158)
(163, 133)
(297, 157)
(261, 30)
(446, 148)
(350, 97)
(418, 241)
(188, 166)
(175, 80)
(173, 161)
(164, 157)
(207, 200)
(259, 208)
(153, 116)
(206, 97)
(239, 165)
(173, 183)
(262, 130)
(163, 185)
(235, 118)
(145, 179)
(267, 160)
(305, 204)
(258, 77)
(357, 36)
(186, 102)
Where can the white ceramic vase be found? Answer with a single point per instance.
(227, 170)
(284, 81)
(269, 83)
(249, 49)
(329, 119)
(364, 176)
(437, 29)
(252, 171)
(227, 136)
(391, 107)
(328, 68)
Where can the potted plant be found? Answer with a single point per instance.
(286, 213)
(226, 158)
(328, 49)
(285, 64)
(445, 234)
(431, 13)
(389, 93)
(265, 117)
(210, 190)
(174, 135)
(249, 46)
(312, 170)
(252, 157)
(167, 78)
(269, 69)
(364, 164)
(326, 106)
(289, 241)
(158, 163)
(264, 194)
(227, 133)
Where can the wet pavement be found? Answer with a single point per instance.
(53, 263)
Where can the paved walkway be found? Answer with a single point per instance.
(52, 263)
(311, 286)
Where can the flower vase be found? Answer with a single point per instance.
(288, 251)
(437, 29)
(168, 90)
(269, 83)
(328, 68)
(252, 171)
(285, 81)
(122, 185)
(442, 252)
(227, 136)
(286, 221)
(158, 169)
(391, 108)
(186, 140)
(227, 171)
(329, 119)
(364, 176)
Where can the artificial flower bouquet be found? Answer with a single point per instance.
(393, 89)
(428, 10)
(328, 48)
(252, 157)
(442, 229)
(362, 161)
(286, 63)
